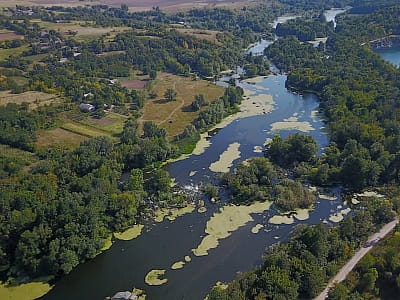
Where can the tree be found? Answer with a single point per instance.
(170, 94)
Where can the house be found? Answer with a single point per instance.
(86, 107)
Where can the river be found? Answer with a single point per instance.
(269, 109)
(391, 55)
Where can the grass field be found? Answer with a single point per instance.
(112, 123)
(174, 116)
(59, 137)
(85, 32)
(22, 156)
(209, 35)
(35, 99)
(6, 53)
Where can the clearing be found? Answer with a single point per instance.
(35, 99)
(59, 137)
(6, 53)
(209, 35)
(81, 31)
(9, 35)
(174, 116)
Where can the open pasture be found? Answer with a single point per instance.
(174, 116)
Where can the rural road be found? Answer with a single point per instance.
(345, 270)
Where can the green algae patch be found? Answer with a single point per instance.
(302, 214)
(188, 258)
(225, 161)
(172, 213)
(278, 220)
(256, 228)
(292, 125)
(153, 277)
(25, 291)
(178, 265)
(139, 293)
(107, 244)
(130, 233)
(202, 210)
(327, 197)
(227, 220)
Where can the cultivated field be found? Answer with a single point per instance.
(174, 116)
(59, 137)
(6, 53)
(9, 35)
(134, 84)
(35, 99)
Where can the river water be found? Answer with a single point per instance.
(125, 265)
(391, 55)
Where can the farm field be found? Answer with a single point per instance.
(9, 35)
(35, 99)
(174, 116)
(6, 53)
(59, 137)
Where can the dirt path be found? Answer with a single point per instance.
(172, 113)
(346, 269)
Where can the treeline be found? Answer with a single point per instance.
(300, 268)
(214, 113)
(60, 212)
(376, 276)
(358, 93)
(259, 180)
(305, 29)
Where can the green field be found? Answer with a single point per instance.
(6, 53)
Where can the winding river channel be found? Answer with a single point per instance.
(197, 249)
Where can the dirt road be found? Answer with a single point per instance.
(345, 270)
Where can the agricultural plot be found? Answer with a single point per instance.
(35, 99)
(209, 35)
(7, 35)
(59, 137)
(6, 53)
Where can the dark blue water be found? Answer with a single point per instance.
(391, 55)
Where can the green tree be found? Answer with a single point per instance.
(170, 94)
